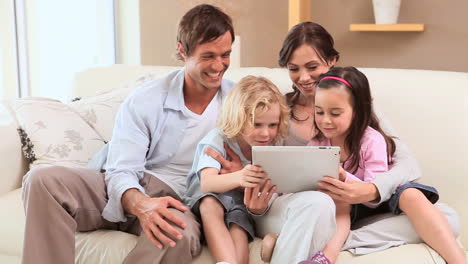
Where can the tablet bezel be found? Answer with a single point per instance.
(301, 167)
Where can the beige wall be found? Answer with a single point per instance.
(262, 25)
(442, 46)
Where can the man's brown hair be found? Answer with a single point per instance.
(202, 24)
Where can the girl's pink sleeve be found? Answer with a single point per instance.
(373, 157)
(351, 177)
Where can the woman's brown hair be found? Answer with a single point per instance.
(312, 34)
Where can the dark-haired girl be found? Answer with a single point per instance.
(345, 117)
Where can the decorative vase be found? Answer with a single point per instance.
(386, 11)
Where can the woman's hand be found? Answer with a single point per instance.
(342, 174)
(351, 192)
(227, 166)
(256, 199)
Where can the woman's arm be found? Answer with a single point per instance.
(404, 168)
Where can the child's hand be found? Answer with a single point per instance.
(251, 176)
(342, 174)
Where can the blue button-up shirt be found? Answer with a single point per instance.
(146, 134)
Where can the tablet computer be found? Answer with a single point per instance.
(297, 168)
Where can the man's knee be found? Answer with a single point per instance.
(190, 234)
(42, 178)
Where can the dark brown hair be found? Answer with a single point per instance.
(312, 34)
(202, 24)
(363, 112)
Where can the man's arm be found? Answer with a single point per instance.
(126, 157)
(125, 168)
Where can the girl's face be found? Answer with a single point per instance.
(265, 128)
(333, 112)
(304, 67)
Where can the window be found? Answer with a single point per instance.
(56, 39)
(8, 66)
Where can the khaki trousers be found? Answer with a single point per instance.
(60, 201)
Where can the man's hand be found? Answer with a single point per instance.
(154, 216)
(256, 199)
(351, 192)
(227, 166)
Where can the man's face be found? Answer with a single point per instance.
(206, 65)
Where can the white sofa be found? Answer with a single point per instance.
(427, 108)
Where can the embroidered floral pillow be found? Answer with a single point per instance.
(52, 133)
(99, 111)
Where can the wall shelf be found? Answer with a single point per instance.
(387, 27)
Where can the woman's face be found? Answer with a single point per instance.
(304, 67)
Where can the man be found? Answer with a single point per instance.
(150, 154)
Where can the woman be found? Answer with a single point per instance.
(308, 52)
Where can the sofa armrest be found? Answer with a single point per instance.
(12, 165)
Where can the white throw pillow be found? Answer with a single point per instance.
(52, 133)
(99, 111)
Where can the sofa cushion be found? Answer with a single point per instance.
(13, 221)
(94, 247)
(53, 133)
(105, 246)
(100, 110)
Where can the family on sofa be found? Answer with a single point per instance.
(171, 145)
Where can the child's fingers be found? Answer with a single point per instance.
(255, 174)
(253, 179)
(249, 184)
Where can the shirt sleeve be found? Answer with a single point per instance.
(206, 161)
(374, 159)
(126, 158)
(404, 167)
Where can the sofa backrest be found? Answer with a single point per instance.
(427, 108)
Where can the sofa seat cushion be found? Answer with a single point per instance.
(106, 246)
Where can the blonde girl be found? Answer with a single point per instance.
(254, 113)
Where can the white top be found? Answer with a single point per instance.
(175, 172)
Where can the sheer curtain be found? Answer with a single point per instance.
(58, 38)
(8, 68)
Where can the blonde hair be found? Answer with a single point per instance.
(252, 95)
